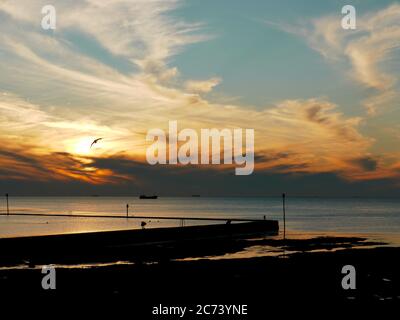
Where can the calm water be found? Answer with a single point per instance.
(346, 216)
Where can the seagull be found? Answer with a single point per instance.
(95, 141)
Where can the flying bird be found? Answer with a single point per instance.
(95, 141)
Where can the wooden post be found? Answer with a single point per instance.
(127, 210)
(8, 210)
(284, 215)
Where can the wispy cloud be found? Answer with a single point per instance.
(58, 98)
(366, 48)
(138, 30)
(202, 86)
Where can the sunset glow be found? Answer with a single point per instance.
(327, 112)
(81, 146)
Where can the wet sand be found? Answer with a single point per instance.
(194, 272)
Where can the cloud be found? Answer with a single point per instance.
(366, 49)
(57, 98)
(366, 163)
(20, 113)
(205, 182)
(312, 135)
(23, 164)
(202, 86)
(140, 31)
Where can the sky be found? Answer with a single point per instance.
(322, 100)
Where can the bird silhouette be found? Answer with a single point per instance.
(95, 141)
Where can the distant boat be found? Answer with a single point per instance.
(143, 196)
(195, 195)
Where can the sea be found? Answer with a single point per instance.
(375, 218)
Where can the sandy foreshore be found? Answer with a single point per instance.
(202, 271)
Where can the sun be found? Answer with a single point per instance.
(81, 146)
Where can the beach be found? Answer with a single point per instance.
(223, 270)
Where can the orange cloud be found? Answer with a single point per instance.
(21, 165)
